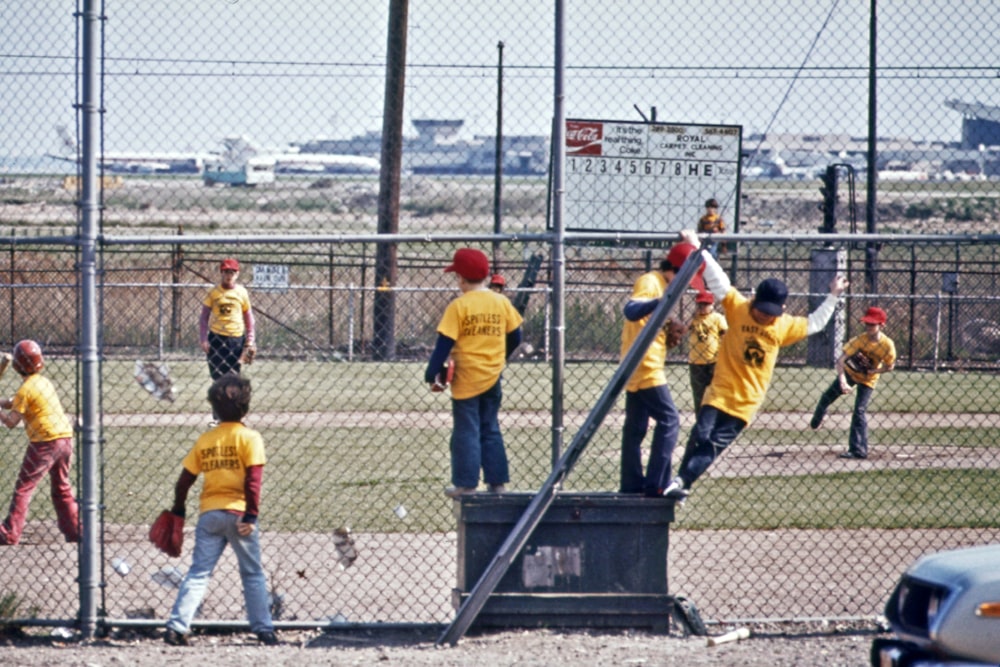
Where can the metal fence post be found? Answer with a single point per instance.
(89, 212)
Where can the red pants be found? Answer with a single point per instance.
(51, 457)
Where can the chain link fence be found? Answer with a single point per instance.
(779, 528)
(361, 444)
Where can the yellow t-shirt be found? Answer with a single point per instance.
(747, 356)
(478, 321)
(223, 454)
(882, 354)
(703, 338)
(649, 372)
(228, 306)
(38, 404)
(711, 224)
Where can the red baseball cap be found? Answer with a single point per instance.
(874, 315)
(676, 258)
(229, 264)
(497, 279)
(471, 264)
(704, 297)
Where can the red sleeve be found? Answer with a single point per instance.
(203, 324)
(181, 488)
(251, 488)
(251, 328)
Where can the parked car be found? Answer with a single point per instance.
(945, 611)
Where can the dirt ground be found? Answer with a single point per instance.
(828, 644)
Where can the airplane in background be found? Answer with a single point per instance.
(898, 170)
(810, 167)
(135, 162)
(290, 160)
(798, 166)
(236, 151)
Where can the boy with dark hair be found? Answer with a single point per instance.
(232, 458)
(50, 445)
(712, 223)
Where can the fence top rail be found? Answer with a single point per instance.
(548, 237)
(619, 237)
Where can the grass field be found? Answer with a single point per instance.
(349, 442)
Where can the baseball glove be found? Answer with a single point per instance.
(859, 363)
(167, 533)
(443, 379)
(675, 333)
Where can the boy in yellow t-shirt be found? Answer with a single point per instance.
(704, 336)
(758, 329)
(231, 457)
(479, 330)
(647, 394)
(712, 223)
(50, 446)
(880, 354)
(226, 329)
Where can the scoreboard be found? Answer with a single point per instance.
(623, 176)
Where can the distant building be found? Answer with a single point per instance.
(439, 149)
(980, 123)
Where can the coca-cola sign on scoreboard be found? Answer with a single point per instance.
(583, 137)
(623, 176)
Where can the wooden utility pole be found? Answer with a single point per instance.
(386, 270)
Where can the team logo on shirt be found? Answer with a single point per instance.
(753, 353)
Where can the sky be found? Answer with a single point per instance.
(182, 75)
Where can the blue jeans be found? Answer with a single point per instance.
(713, 431)
(224, 354)
(476, 441)
(701, 376)
(640, 407)
(215, 530)
(857, 442)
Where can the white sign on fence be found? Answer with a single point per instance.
(270, 277)
(623, 176)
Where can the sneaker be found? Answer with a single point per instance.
(175, 638)
(851, 455)
(676, 490)
(268, 638)
(498, 488)
(456, 491)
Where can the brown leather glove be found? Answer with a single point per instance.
(167, 533)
